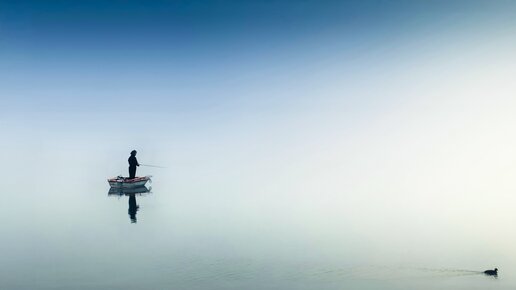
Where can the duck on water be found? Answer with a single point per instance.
(491, 272)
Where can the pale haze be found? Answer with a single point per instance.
(348, 145)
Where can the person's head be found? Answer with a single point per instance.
(496, 269)
(133, 153)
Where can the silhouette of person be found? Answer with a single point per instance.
(132, 164)
(133, 208)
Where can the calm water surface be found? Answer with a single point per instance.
(199, 228)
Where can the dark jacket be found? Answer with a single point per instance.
(133, 162)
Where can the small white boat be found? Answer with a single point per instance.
(124, 182)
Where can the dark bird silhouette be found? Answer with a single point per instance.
(492, 272)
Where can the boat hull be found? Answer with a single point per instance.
(122, 182)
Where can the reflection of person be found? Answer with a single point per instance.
(133, 208)
(132, 164)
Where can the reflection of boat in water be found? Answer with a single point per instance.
(124, 182)
(131, 193)
(128, 191)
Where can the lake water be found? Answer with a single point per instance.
(69, 234)
(222, 218)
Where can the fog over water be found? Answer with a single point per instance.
(353, 147)
(416, 195)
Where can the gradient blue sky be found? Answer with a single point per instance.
(189, 55)
(277, 73)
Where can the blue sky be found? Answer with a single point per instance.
(185, 55)
(208, 66)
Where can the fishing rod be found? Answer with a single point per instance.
(148, 165)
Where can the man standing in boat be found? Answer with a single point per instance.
(132, 164)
